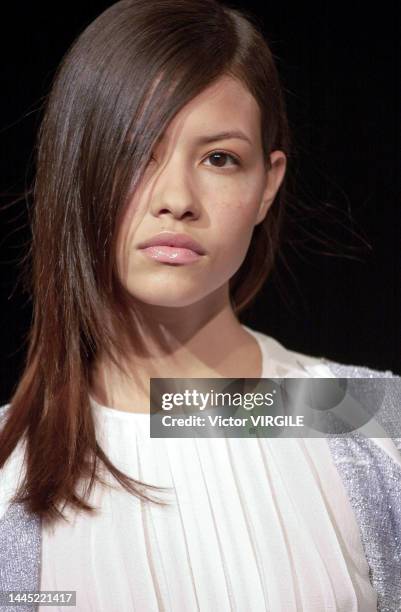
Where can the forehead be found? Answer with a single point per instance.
(224, 106)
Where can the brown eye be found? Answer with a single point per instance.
(220, 157)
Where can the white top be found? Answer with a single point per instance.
(254, 524)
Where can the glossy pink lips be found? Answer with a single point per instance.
(171, 254)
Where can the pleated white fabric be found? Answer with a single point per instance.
(252, 524)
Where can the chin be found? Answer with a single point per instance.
(167, 299)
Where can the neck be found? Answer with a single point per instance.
(177, 345)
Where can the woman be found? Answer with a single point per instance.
(166, 123)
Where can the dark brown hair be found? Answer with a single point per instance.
(113, 95)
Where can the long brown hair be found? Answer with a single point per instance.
(113, 95)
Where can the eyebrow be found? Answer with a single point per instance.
(223, 136)
(227, 135)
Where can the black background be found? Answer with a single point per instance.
(340, 69)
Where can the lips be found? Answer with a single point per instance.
(170, 239)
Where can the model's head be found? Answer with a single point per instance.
(123, 154)
(210, 179)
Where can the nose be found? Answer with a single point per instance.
(175, 192)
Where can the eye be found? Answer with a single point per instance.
(220, 157)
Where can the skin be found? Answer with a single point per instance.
(187, 189)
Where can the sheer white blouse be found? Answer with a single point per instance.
(252, 525)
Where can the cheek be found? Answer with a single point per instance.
(234, 224)
(235, 215)
(237, 197)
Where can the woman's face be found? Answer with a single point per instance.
(215, 192)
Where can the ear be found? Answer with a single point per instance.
(274, 177)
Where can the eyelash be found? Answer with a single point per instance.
(235, 160)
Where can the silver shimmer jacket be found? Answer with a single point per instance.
(372, 480)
